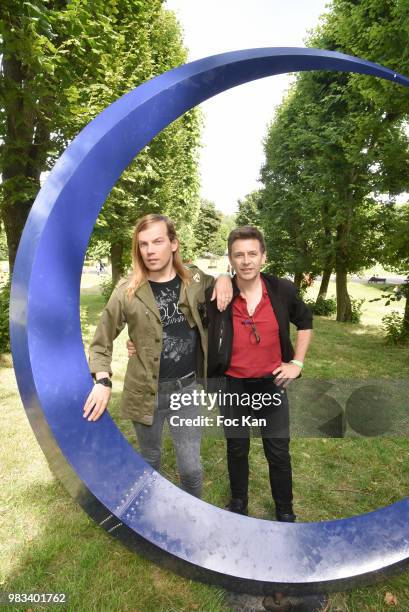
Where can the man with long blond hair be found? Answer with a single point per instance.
(161, 303)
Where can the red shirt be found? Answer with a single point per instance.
(252, 359)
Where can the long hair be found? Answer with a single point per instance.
(139, 270)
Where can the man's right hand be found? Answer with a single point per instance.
(97, 401)
(131, 348)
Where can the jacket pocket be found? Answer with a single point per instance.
(135, 405)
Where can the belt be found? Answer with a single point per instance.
(177, 383)
(267, 378)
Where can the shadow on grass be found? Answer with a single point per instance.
(70, 554)
(73, 555)
(333, 478)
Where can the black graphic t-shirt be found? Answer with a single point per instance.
(178, 356)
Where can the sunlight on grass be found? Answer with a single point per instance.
(49, 544)
(372, 312)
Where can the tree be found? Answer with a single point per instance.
(164, 177)
(377, 31)
(288, 206)
(330, 153)
(249, 212)
(218, 243)
(395, 255)
(63, 62)
(207, 229)
(228, 224)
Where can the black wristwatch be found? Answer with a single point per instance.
(107, 382)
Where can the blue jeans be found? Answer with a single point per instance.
(186, 441)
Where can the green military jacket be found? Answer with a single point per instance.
(141, 314)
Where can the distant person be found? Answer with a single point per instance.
(307, 279)
(100, 267)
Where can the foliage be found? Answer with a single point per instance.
(164, 177)
(4, 317)
(377, 31)
(394, 293)
(249, 212)
(395, 256)
(3, 244)
(334, 147)
(63, 63)
(323, 307)
(392, 324)
(207, 230)
(107, 287)
(97, 249)
(228, 224)
(356, 307)
(327, 307)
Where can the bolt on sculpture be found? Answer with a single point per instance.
(96, 463)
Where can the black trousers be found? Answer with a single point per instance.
(243, 399)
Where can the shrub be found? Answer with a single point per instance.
(107, 287)
(392, 324)
(323, 307)
(302, 290)
(356, 306)
(4, 318)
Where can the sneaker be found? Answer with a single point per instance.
(237, 505)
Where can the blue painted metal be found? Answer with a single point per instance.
(94, 460)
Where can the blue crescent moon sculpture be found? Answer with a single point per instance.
(98, 466)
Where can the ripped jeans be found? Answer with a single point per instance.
(186, 441)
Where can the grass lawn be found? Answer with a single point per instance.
(47, 543)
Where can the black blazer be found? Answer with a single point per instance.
(287, 305)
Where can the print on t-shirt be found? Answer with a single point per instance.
(178, 356)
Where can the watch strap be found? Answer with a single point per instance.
(107, 382)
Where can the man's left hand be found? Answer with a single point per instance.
(223, 292)
(285, 373)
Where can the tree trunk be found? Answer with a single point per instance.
(344, 310)
(117, 250)
(14, 218)
(326, 276)
(23, 155)
(298, 276)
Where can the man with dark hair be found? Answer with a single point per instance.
(249, 344)
(246, 232)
